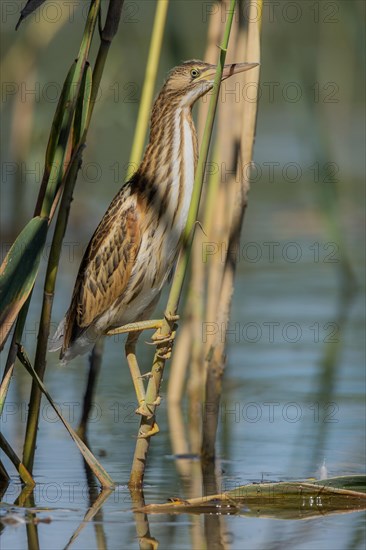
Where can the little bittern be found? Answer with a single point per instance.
(135, 246)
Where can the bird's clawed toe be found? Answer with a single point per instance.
(147, 375)
(170, 318)
(144, 408)
(153, 431)
(157, 338)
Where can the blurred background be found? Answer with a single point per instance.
(294, 385)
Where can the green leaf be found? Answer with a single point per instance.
(56, 155)
(82, 106)
(30, 7)
(58, 118)
(350, 483)
(18, 272)
(98, 470)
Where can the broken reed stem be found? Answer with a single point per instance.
(152, 392)
(216, 357)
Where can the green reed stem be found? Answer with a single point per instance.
(152, 392)
(148, 87)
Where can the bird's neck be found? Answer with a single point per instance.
(170, 159)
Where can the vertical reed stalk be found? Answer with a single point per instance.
(194, 307)
(152, 392)
(148, 87)
(216, 357)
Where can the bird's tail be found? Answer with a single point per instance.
(81, 345)
(58, 338)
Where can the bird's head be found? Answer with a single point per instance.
(194, 78)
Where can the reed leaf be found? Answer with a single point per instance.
(19, 271)
(82, 107)
(90, 515)
(59, 118)
(29, 8)
(98, 470)
(11, 454)
(54, 169)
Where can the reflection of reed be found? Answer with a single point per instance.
(26, 500)
(95, 362)
(146, 541)
(327, 376)
(94, 513)
(198, 479)
(187, 464)
(97, 499)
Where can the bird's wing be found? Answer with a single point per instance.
(106, 266)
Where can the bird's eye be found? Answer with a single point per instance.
(195, 73)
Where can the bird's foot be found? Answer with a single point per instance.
(157, 401)
(165, 354)
(147, 374)
(144, 408)
(164, 343)
(158, 338)
(170, 318)
(153, 431)
(149, 542)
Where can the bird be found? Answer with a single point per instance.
(135, 246)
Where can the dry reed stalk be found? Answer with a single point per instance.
(206, 275)
(188, 350)
(219, 213)
(216, 358)
(148, 426)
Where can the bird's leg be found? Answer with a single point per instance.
(137, 378)
(139, 326)
(143, 408)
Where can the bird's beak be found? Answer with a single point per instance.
(236, 68)
(229, 70)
